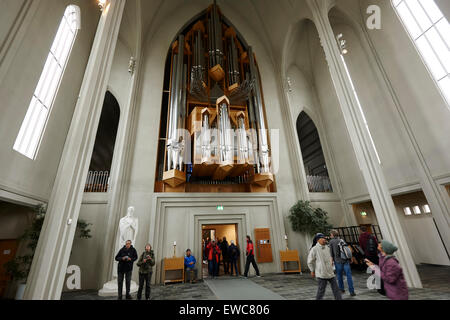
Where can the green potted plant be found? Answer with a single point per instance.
(307, 219)
(19, 267)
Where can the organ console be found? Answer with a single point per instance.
(215, 131)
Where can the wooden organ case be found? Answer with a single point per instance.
(213, 133)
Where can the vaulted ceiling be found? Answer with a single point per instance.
(274, 21)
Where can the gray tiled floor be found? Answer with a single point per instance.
(436, 282)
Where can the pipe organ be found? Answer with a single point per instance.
(214, 128)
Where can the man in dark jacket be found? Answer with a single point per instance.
(369, 245)
(126, 257)
(342, 265)
(225, 258)
(233, 255)
(145, 264)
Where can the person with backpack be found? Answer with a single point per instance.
(321, 265)
(233, 255)
(342, 256)
(250, 258)
(369, 245)
(390, 272)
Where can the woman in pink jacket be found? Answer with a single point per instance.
(390, 271)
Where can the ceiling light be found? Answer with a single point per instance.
(102, 4)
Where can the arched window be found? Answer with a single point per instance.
(102, 155)
(33, 125)
(313, 157)
(430, 31)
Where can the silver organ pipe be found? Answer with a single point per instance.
(233, 69)
(242, 143)
(215, 38)
(225, 134)
(179, 155)
(263, 162)
(198, 82)
(177, 109)
(206, 138)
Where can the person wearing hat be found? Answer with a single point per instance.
(390, 271)
(321, 265)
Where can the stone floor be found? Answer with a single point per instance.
(436, 282)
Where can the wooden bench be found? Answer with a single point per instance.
(290, 256)
(173, 264)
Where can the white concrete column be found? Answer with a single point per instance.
(364, 150)
(47, 274)
(120, 168)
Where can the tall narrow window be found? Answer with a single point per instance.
(32, 129)
(430, 31)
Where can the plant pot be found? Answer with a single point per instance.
(20, 291)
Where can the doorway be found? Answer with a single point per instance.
(218, 232)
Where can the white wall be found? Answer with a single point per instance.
(18, 173)
(419, 96)
(384, 123)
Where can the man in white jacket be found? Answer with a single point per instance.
(321, 265)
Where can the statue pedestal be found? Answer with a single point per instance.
(110, 289)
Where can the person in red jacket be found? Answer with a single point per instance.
(250, 258)
(213, 258)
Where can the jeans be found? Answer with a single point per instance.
(120, 276)
(144, 277)
(234, 264)
(213, 268)
(340, 269)
(323, 286)
(191, 274)
(251, 259)
(226, 265)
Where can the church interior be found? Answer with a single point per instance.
(187, 120)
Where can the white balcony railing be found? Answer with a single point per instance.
(97, 181)
(319, 184)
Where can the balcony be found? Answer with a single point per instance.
(97, 181)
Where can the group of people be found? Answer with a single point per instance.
(214, 252)
(127, 255)
(324, 260)
(126, 258)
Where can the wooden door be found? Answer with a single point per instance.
(8, 249)
(263, 245)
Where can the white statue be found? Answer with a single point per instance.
(128, 228)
